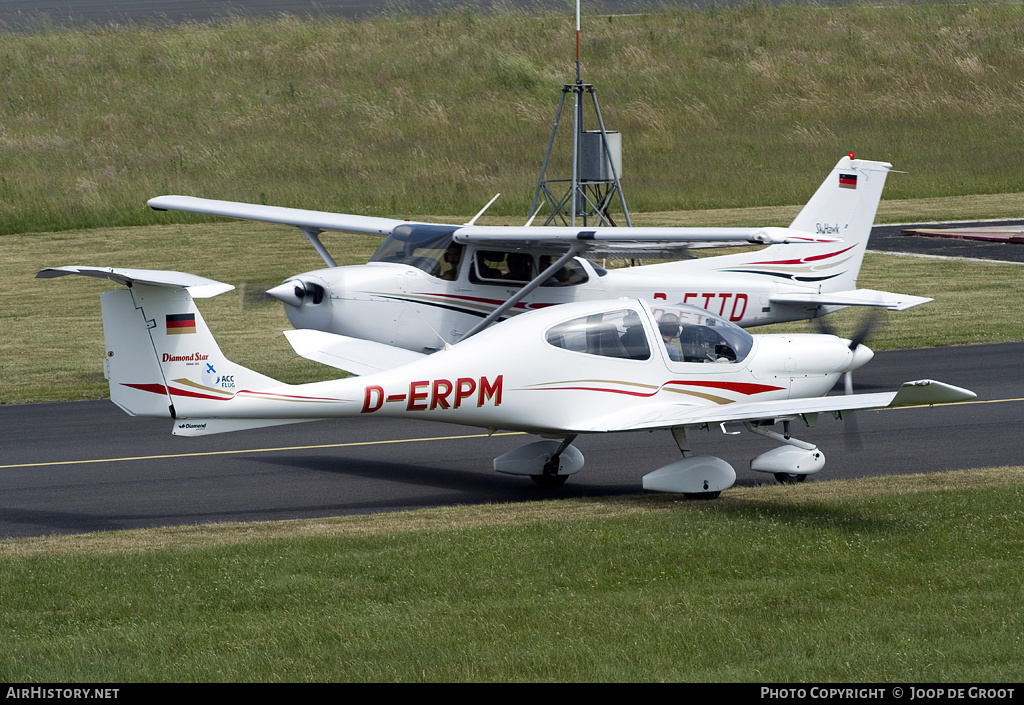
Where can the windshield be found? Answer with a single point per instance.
(426, 247)
(696, 335)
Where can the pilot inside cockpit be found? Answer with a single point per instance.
(669, 328)
(450, 262)
(520, 267)
(703, 336)
(634, 339)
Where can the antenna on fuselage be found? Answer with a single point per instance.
(596, 163)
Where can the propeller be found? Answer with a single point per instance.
(254, 294)
(868, 325)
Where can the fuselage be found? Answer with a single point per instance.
(564, 369)
(421, 306)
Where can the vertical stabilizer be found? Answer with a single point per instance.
(162, 359)
(843, 206)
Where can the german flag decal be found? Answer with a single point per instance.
(181, 323)
(847, 181)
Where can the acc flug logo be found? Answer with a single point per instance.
(211, 378)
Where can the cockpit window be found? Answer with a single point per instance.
(571, 274)
(518, 268)
(617, 334)
(692, 334)
(426, 247)
(492, 266)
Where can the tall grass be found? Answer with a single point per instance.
(403, 114)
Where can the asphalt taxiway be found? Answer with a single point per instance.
(85, 466)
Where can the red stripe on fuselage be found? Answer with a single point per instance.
(746, 388)
(803, 260)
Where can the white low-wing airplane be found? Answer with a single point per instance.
(584, 367)
(429, 285)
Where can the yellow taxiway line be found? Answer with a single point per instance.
(255, 450)
(371, 443)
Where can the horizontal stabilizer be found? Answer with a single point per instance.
(854, 297)
(360, 357)
(198, 287)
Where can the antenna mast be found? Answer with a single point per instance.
(578, 42)
(596, 162)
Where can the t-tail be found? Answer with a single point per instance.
(162, 360)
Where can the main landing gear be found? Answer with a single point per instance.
(704, 476)
(548, 463)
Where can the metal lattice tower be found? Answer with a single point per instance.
(596, 164)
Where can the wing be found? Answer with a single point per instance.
(920, 393)
(298, 217)
(618, 241)
(360, 357)
(614, 241)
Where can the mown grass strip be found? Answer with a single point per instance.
(53, 349)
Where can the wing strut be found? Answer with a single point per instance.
(313, 235)
(497, 313)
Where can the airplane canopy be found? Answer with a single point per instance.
(688, 333)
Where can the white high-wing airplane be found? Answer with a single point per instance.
(429, 285)
(584, 367)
